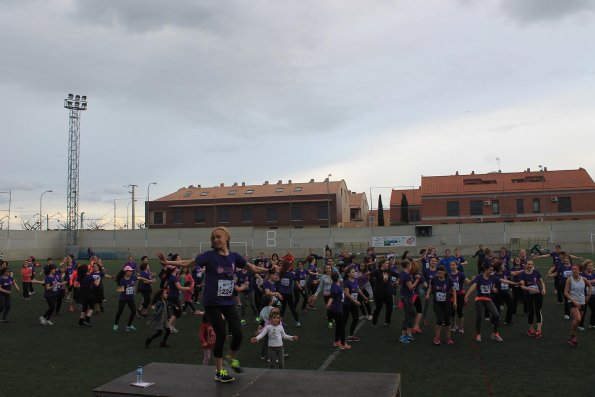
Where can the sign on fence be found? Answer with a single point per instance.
(394, 241)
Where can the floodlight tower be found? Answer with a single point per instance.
(75, 104)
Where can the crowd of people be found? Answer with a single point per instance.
(230, 291)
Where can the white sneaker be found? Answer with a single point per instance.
(582, 329)
(48, 322)
(173, 330)
(566, 317)
(370, 317)
(43, 321)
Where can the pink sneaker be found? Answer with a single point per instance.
(345, 347)
(437, 341)
(450, 341)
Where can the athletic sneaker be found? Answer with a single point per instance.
(591, 326)
(496, 336)
(243, 322)
(173, 330)
(478, 338)
(331, 324)
(345, 347)
(262, 357)
(115, 328)
(461, 330)
(42, 320)
(582, 329)
(298, 324)
(234, 364)
(257, 320)
(403, 339)
(538, 334)
(223, 376)
(449, 341)
(453, 328)
(531, 333)
(353, 339)
(572, 341)
(417, 330)
(566, 317)
(370, 319)
(48, 322)
(437, 341)
(337, 344)
(130, 328)
(388, 325)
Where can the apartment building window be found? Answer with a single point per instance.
(247, 214)
(495, 207)
(158, 218)
(199, 216)
(452, 208)
(296, 213)
(476, 207)
(414, 215)
(520, 206)
(272, 214)
(223, 215)
(322, 212)
(564, 204)
(177, 215)
(536, 205)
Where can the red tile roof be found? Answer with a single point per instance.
(413, 197)
(253, 191)
(507, 182)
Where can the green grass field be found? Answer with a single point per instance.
(69, 361)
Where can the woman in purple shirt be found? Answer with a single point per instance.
(335, 309)
(6, 284)
(219, 267)
(533, 287)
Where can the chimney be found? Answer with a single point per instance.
(266, 183)
(472, 172)
(198, 186)
(191, 187)
(243, 183)
(222, 184)
(279, 182)
(528, 169)
(457, 173)
(312, 180)
(545, 168)
(235, 184)
(289, 181)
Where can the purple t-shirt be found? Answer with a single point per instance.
(218, 275)
(458, 281)
(502, 287)
(314, 269)
(6, 283)
(337, 297)
(441, 289)
(286, 283)
(141, 284)
(301, 277)
(268, 284)
(50, 281)
(484, 287)
(531, 280)
(353, 288)
(128, 293)
(405, 291)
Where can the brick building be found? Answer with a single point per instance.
(268, 205)
(502, 197)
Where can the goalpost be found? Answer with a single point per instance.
(240, 247)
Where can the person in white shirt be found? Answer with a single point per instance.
(275, 333)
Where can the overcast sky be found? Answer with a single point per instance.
(377, 93)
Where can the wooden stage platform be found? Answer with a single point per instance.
(181, 380)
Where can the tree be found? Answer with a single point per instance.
(404, 209)
(380, 211)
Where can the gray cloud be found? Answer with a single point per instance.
(544, 10)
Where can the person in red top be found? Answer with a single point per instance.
(26, 277)
(289, 258)
(207, 337)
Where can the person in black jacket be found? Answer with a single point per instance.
(384, 279)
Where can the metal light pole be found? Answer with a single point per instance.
(82, 219)
(40, 213)
(75, 104)
(148, 216)
(132, 200)
(8, 226)
(127, 209)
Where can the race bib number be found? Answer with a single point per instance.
(129, 290)
(55, 287)
(354, 296)
(567, 273)
(285, 282)
(456, 285)
(302, 282)
(440, 296)
(534, 286)
(224, 287)
(485, 289)
(393, 279)
(503, 286)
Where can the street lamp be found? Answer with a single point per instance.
(40, 213)
(148, 216)
(328, 208)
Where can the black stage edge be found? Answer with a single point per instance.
(181, 380)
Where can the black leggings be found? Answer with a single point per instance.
(297, 293)
(486, 305)
(460, 306)
(4, 305)
(288, 301)
(146, 294)
(518, 296)
(159, 333)
(233, 322)
(347, 310)
(339, 326)
(534, 303)
(365, 305)
(59, 299)
(379, 300)
(506, 299)
(51, 301)
(589, 306)
(175, 305)
(121, 304)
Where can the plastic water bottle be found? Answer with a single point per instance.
(139, 374)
